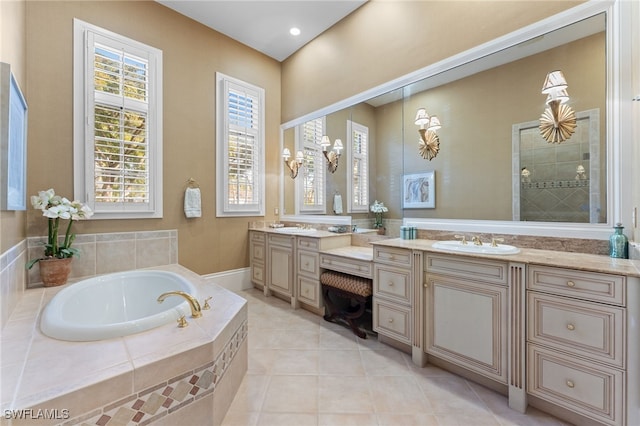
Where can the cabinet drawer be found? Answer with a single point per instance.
(392, 283)
(257, 273)
(308, 243)
(361, 268)
(309, 291)
(257, 236)
(587, 388)
(281, 240)
(460, 266)
(257, 252)
(308, 264)
(583, 328)
(392, 256)
(392, 320)
(594, 286)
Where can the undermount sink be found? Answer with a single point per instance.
(295, 230)
(485, 248)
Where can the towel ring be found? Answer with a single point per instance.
(191, 183)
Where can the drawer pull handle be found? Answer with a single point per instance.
(571, 384)
(425, 285)
(571, 327)
(390, 320)
(571, 284)
(306, 265)
(390, 284)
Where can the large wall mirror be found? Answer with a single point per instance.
(488, 101)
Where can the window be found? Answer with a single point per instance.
(240, 148)
(358, 160)
(311, 179)
(117, 124)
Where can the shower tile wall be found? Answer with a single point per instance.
(112, 252)
(556, 191)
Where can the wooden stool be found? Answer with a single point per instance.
(349, 287)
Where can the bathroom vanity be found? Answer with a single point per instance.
(555, 330)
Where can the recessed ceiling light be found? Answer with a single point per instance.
(294, 31)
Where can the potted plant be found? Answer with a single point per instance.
(55, 265)
(378, 208)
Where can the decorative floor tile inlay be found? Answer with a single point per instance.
(145, 407)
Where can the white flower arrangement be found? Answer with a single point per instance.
(54, 208)
(378, 208)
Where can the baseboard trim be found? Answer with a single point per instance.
(233, 280)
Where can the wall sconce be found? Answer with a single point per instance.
(429, 144)
(295, 163)
(558, 121)
(332, 156)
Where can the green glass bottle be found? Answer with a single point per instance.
(618, 243)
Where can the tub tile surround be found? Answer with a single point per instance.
(12, 279)
(111, 252)
(107, 378)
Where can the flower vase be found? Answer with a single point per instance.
(54, 271)
(382, 230)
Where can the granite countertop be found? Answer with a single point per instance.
(313, 234)
(580, 261)
(352, 252)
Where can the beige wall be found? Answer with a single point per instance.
(12, 51)
(192, 54)
(383, 40)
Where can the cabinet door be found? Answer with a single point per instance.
(466, 324)
(281, 270)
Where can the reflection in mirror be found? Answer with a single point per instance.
(474, 166)
(480, 105)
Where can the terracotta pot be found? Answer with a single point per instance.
(382, 230)
(54, 272)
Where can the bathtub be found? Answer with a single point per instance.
(115, 305)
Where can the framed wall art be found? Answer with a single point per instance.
(13, 142)
(419, 191)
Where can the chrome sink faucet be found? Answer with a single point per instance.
(196, 311)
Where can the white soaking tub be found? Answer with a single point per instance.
(115, 305)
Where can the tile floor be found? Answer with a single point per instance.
(306, 371)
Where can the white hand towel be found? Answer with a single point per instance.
(337, 204)
(192, 202)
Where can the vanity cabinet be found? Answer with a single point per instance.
(280, 265)
(576, 341)
(393, 293)
(257, 258)
(466, 304)
(308, 267)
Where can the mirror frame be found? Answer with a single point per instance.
(619, 155)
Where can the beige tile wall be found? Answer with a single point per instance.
(12, 279)
(112, 252)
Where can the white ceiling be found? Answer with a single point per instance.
(264, 24)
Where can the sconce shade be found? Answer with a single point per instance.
(337, 146)
(560, 95)
(555, 81)
(325, 142)
(434, 123)
(299, 157)
(422, 117)
(286, 153)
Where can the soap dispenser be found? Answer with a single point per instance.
(618, 243)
